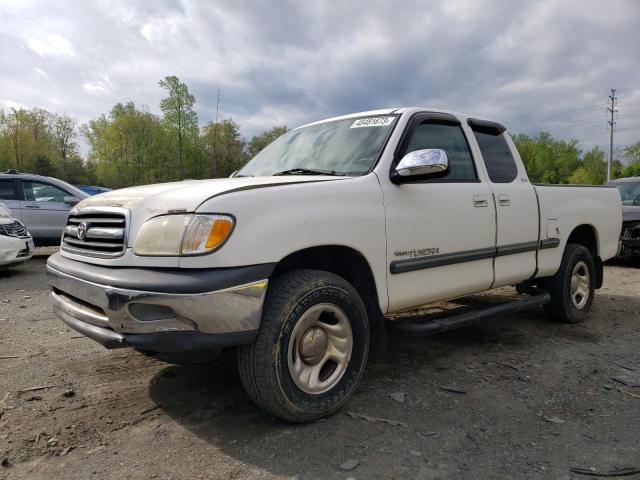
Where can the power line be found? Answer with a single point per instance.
(630, 103)
(579, 124)
(591, 131)
(628, 129)
(601, 125)
(578, 111)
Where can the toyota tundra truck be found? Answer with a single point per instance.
(299, 259)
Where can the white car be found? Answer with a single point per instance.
(299, 257)
(16, 245)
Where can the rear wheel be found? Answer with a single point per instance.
(572, 288)
(311, 349)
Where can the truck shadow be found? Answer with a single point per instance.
(21, 277)
(628, 262)
(209, 401)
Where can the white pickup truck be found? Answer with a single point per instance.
(298, 257)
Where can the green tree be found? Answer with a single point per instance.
(35, 140)
(546, 159)
(129, 147)
(225, 146)
(595, 165)
(179, 115)
(15, 126)
(580, 177)
(258, 142)
(44, 166)
(64, 129)
(39, 122)
(616, 168)
(632, 153)
(76, 171)
(632, 170)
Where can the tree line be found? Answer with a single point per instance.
(551, 160)
(131, 146)
(40, 141)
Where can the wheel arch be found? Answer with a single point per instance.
(587, 236)
(351, 265)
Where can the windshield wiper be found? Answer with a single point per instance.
(306, 171)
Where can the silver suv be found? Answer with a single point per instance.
(630, 194)
(41, 203)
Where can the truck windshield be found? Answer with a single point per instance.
(629, 192)
(347, 147)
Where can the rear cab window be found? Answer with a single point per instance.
(497, 156)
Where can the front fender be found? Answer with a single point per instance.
(274, 222)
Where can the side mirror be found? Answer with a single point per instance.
(71, 200)
(420, 163)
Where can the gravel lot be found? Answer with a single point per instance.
(534, 399)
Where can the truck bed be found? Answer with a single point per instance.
(565, 207)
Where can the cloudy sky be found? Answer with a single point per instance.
(533, 65)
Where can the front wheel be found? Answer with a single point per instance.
(311, 349)
(572, 288)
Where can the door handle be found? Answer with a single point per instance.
(32, 206)
(480, 201)
(504, 200)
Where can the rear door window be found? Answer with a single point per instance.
(501, 166)
(42, 192)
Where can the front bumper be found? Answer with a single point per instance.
(15, 250)
(160, 310)
(630, 246)
(630, 238)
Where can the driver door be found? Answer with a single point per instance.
(441, 232)
(43, 209)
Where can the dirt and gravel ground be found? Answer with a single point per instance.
(534, 399)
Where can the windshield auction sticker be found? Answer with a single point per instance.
(373, 122)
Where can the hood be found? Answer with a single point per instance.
(188, 195)
(630, 213)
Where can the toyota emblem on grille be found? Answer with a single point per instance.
(82, 230)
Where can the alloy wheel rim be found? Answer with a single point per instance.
(320, 348)
(580, 288)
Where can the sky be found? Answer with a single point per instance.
(531, 65)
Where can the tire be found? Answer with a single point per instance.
(291, 348)
(567, 304)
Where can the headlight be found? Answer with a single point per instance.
(174, 235)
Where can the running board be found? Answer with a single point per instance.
(423, 326)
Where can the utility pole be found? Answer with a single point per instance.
(215, 136)
(612, 110)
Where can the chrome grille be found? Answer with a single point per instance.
(96, 232)
(15, 229)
